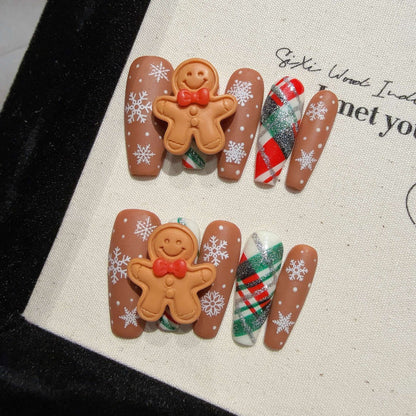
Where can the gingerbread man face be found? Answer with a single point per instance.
(173, 244)
(170, 278)
(194, 75)
(195, 111)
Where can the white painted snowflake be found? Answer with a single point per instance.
(283, 323)
(138, 109)
(129, 317)
(317, 111)
(235, 152)
(306, 160)
(296, 270)
(215, 250)
(117, 268)
(241, 91)
(143, 154)
(212, 303)
(144, 229)
(159, 72)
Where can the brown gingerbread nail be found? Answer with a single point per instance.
(313, 134)
(293, 285)
(247, 86)
(131, 231)
(169, 278)
(149, 76)
(194, 110)
(220, 246)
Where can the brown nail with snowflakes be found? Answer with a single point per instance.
(313, 134)
(131, 231)
(247, 86)
(220, 246)
(292, 288)
(149, 77)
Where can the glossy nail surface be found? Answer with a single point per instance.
(257, 275)
(220, 246)
(131, 231)
(247, 86)
(280, 120)
(149, 76)
(295, 279)
(313, 134)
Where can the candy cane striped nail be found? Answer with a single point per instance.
(257, 275)
(131, 231)
(149, 76)
(295, 279)
(247, 86)
(280, 119)
(220, 246)
(313, 134)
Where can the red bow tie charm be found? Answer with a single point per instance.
(161, 267)
(186, 97)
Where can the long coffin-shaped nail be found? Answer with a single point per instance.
(220, 246)
(257, 275)
(149, 76)
(280, 118)
(247, 86)
(313, 134)
(131, 231)
(295, 279)
(166, 322)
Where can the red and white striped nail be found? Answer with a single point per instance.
(280, 118)
(149, 76)
(131, 231)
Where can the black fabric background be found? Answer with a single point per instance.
(48, 125)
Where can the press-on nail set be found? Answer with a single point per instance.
(180, 111)
(162, 273)
(166, 273)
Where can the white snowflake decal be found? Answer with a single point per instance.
(317, 111)
(306, 160)
(129, 317)
(117, 268)
(212, 303)
(159, 72)
(297, 270)
(138, 109)
(235, 152)
(144, 229)
(143, 154)
(241, 91)
(216, 250)
(283, 323)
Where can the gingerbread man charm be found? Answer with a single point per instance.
(170, 278)
(194, 110)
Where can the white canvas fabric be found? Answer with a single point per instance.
(352, 351)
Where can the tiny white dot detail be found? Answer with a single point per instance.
(318, 129)
(242, 128)
(295, 289)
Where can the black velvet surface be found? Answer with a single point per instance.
(47, 127)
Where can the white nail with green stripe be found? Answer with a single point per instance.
(257, 276)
